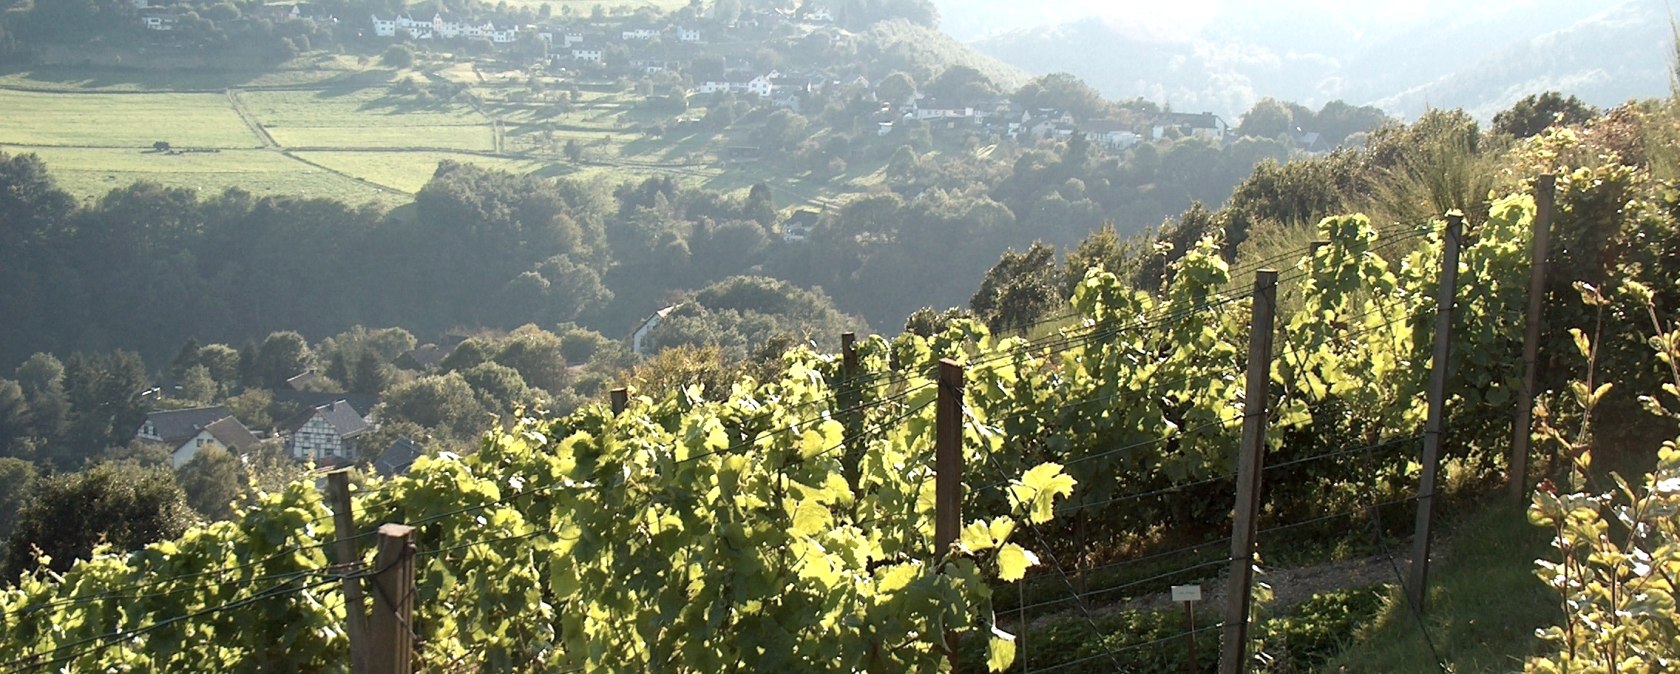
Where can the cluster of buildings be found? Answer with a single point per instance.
(439, 27)
(324, 432)
(1005, 118)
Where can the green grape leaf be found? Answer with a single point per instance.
(1039, 488)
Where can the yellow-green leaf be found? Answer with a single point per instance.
(1013, 562)
(976, 536)
(1000, 650)
(1002, 527)
(811, 517)
(1581, 343)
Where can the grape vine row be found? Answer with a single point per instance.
(687, 534)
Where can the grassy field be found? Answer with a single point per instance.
(91, 172)
(409, 171)
(478, 138)
(323, 70)
(122, 120)
(348, 136)
(367, 117)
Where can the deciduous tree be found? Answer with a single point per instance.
(119, 503)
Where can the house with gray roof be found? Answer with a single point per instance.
(323, 433)
(186, 432)
(396, 459)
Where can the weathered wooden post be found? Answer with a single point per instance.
(1436, 424)
(393, 602)
(349, 558)
(1234, 656)
(848, 398)
(1545, 197)
(948, 470)
(620, 400)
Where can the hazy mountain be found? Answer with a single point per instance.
(1213, 56)
(1605, 59)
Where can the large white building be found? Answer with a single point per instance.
(438, 27)
(758, 86)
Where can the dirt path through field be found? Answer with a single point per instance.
(245, 116)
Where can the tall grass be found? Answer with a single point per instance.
(1485, 603)
(1446, 171)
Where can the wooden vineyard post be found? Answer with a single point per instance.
(620, 400)
(948, 470)
(849, 398)
(1545, 196)
(392, 651)
(1433, 429)
(1233, 657)
(349, 558)
(848, 357)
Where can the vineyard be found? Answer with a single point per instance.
(792, 525)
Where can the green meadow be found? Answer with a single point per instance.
(122, 120)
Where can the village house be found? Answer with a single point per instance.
(323, 433)
(160, 21)
(303, 380)
(362, 403)
(798, 226)
(419, 30)
(641, 34)
(638, 339)
(1309, 141)
(1042, 123)
(759, 86)
(590, 55)
(927, 109)
(1110, 134)
(187, 432)
(397, 458)
(688, 34)
(1206, 125)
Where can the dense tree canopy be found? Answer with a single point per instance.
(1062, 91)
(960, 83)
(1269, 118)
(119, 503)
(1019, 290)
(743, 314)
(1538, 112)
